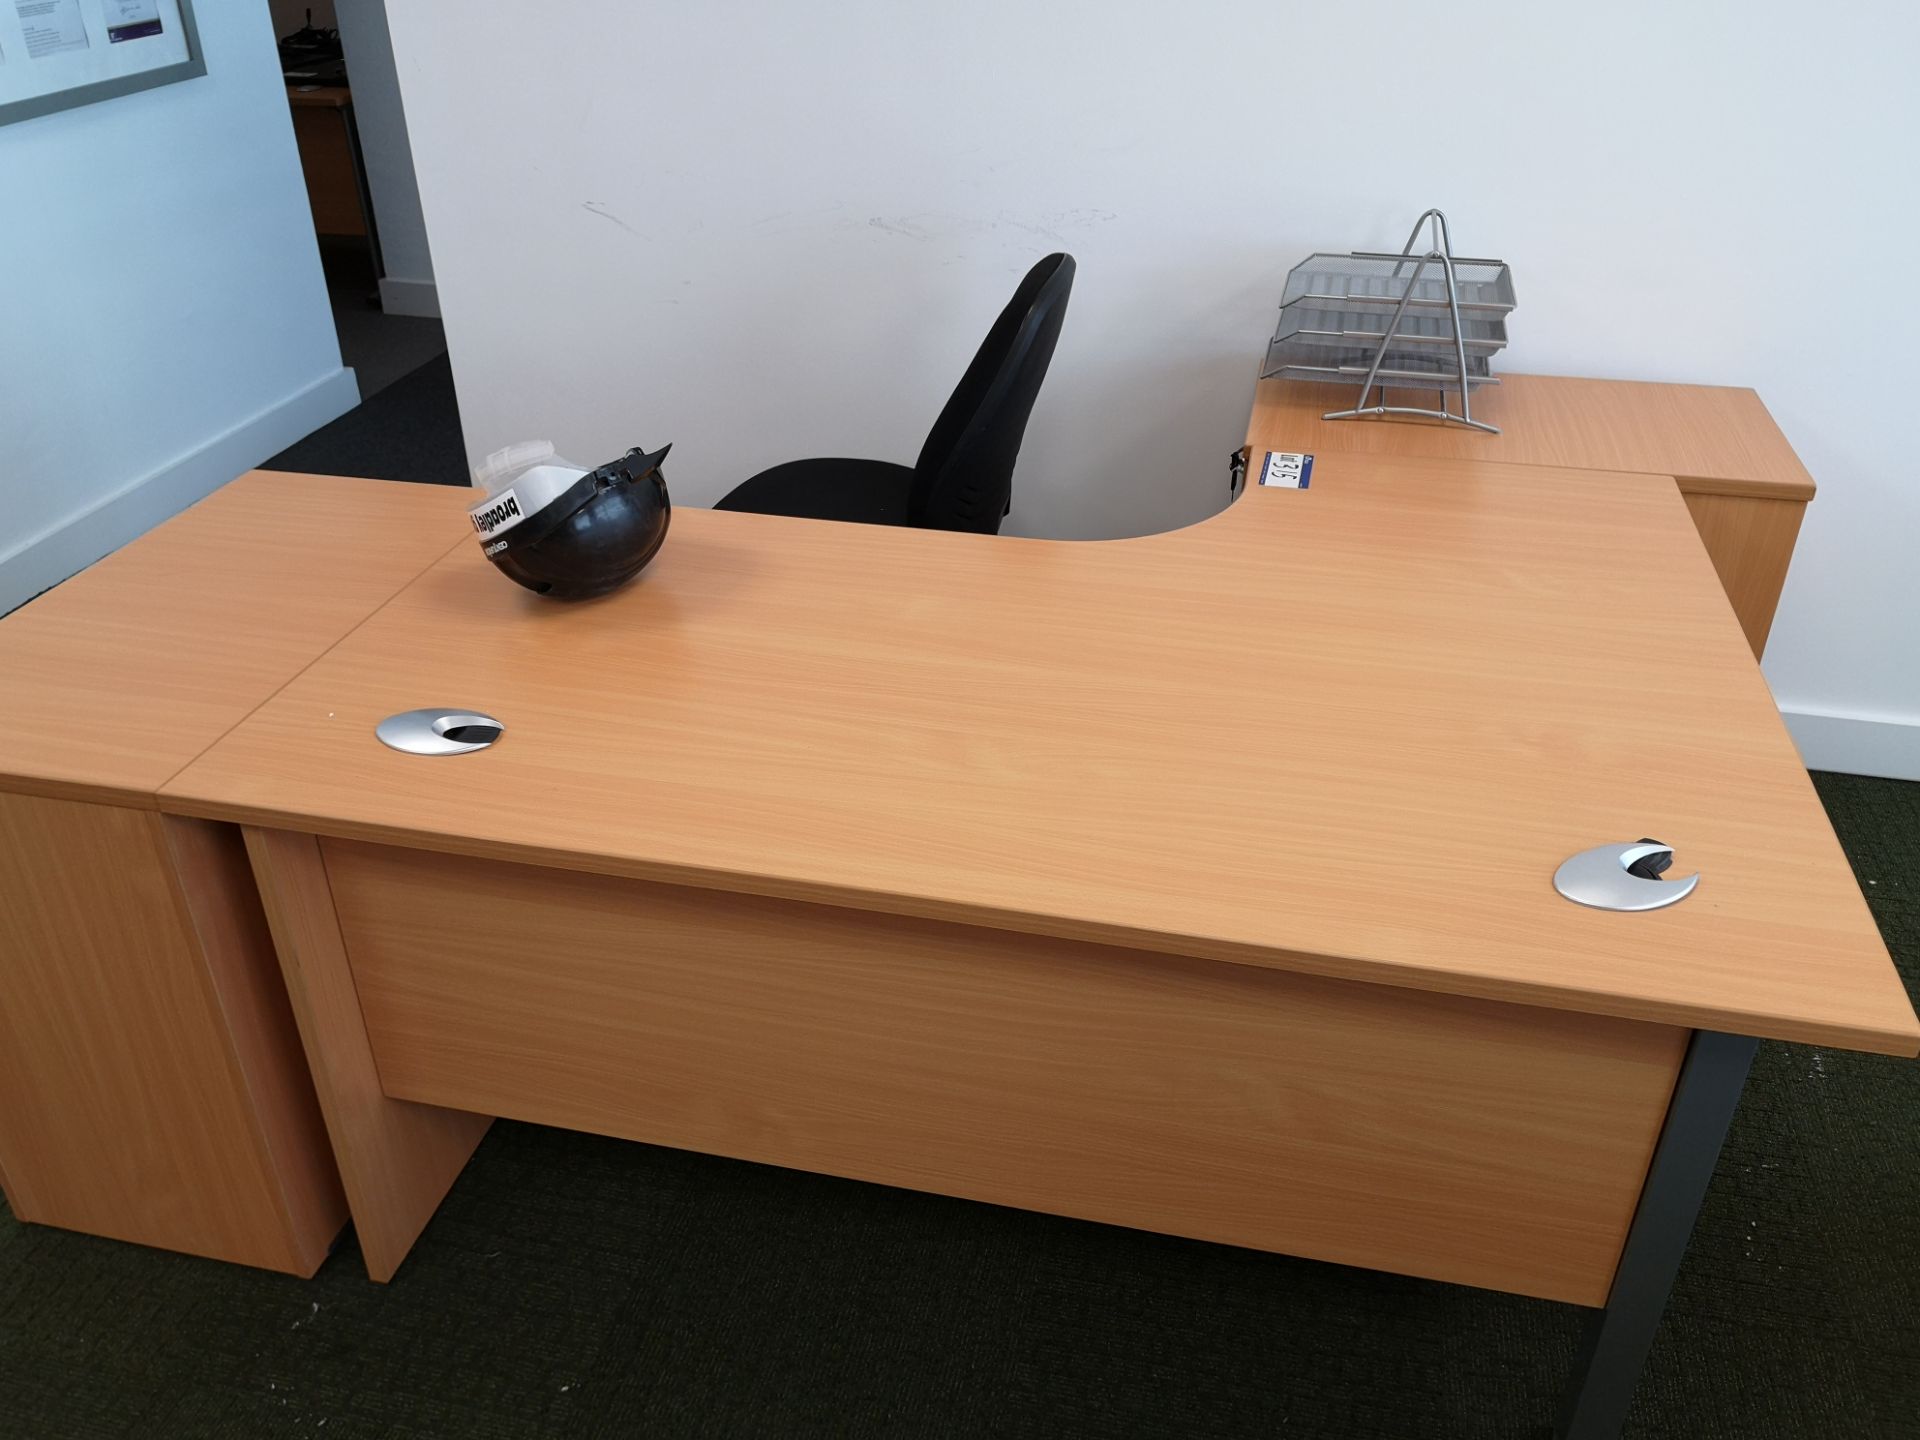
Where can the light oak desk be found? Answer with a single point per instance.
(1199, 883)
(1744, 486)
(151, 1083)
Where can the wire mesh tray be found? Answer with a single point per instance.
(1371, 282)
(1303, 320)
(1289, 359)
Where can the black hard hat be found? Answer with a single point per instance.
(575, 541)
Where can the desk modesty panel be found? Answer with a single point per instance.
(1744, 486)
(1456, 1139)
(1347, 731)
(151, 1082)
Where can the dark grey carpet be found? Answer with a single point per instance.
(408, 431)
(381, 348)
(574, 1286)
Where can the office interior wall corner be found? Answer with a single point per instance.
(407, 284)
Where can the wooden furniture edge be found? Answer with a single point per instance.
(1746, 489)
(1900, 1042)
(264, 1046)
(1800, 487)
(397, 1158)
(320, 97)
(1689, 484)
(153, 1104)
(54, 787)
(1750, 542)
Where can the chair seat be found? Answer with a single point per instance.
(868, 492)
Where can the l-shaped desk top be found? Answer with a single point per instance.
(1349, 730)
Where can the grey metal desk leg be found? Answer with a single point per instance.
(1619, 1337)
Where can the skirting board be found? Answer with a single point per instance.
(409, 297)
(44, 560)
(1856, 745)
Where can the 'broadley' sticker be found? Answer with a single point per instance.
(1287, 469)
(500, 513)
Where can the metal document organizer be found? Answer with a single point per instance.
(1425, 321)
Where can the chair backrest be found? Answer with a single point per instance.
(963, 479)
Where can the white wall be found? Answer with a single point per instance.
(764, 231)
(163, 319)
(406, 280)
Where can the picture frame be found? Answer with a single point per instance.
(59, 54)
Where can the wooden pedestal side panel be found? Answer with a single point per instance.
(1750, 542)
(326, 158)
(397, 1159)
(1468, 1141)
(151, 1085)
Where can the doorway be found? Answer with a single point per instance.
(343, 96)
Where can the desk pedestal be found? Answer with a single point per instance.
(155, 1090)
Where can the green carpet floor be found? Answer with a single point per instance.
(574, 1286)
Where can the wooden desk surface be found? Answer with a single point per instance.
(121, 675)
(1713, 439)
(1348, 731)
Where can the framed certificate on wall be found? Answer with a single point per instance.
(55, 54)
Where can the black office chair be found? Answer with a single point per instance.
(963, 479)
